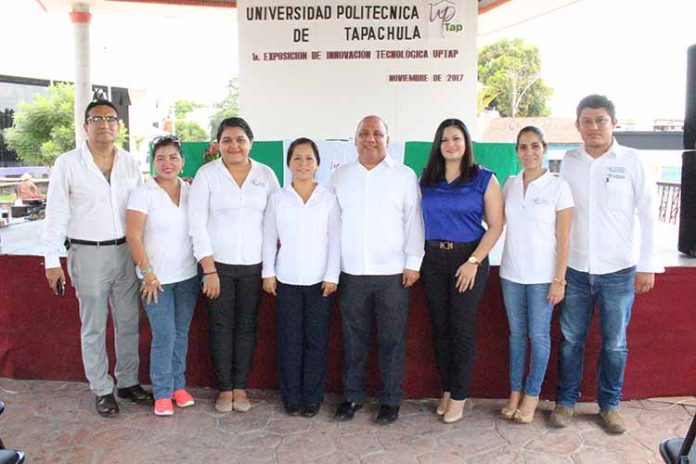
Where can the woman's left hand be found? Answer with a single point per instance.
(466, 276)
(556, 293)
(329, 288)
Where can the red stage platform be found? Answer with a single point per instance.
(40, 339)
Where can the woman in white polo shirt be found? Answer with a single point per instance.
(303, 273)
(157, 234)
(538, 212)
(228, 200)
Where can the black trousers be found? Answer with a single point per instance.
(303, 342)
(360, 299)
(232, 323)
(454, 315)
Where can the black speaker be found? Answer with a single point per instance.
(687, 206)
(690, 117)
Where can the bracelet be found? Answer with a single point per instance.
(562, 282)
(209, 273)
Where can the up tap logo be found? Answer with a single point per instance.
(442, 12)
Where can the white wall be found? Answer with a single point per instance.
(324, 99)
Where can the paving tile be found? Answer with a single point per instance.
(359, 444)
(403, 456)
(515, 433)
(81, 455)
(286, 425)
(533, 457)
(472, 442)
(306, 447)
(339, 457)
(442, 457)
(560, 442)
(419, 443)
(603, 456)
(55, 422)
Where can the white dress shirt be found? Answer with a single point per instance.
(82, 204)
(609, 191)
(381, 220)
(165, 237)
(529, 256)
(309, 233)
(226, 220)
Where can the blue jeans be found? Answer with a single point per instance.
(360, 297)
(529, 317)
(613, 294)
(170, 319)
(303, 342)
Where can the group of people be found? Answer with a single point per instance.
(371, 233)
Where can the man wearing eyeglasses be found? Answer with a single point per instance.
(611, 189)
(87, 197)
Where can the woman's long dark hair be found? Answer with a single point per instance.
(434, 171)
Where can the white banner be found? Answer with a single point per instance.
(315, 68)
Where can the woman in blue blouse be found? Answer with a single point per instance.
(458, 196)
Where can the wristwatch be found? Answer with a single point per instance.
(146, 270)
(473, 260)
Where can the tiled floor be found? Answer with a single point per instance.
(55, 422)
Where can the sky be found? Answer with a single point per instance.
(634, 51)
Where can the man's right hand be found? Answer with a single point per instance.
(53, 275)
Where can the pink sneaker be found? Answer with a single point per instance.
(183, 398)
(163, 407)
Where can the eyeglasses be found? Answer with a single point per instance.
(96, 120)
(599, 122)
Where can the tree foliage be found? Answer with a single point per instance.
(45, 128)
(184, 107)
(511, 70)
(190, 131)
(227, 108)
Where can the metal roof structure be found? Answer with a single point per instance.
(164, 6)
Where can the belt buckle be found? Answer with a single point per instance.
(446, 245)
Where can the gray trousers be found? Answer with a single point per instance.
(103, 277)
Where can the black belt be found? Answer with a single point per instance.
(443, 245)
(118, 241)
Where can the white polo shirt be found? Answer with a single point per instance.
(167, 242)
(529, 255)
(226, 220)
(309, 234)
(381, 221)
(610, 192)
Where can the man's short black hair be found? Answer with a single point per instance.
(596, 101)
(95, 103)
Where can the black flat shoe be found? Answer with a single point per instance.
(136, 394)
(346, 411)
(292, 409)
(107, 405)
(387, 414)
(310, 409)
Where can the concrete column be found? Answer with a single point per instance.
(80, 17)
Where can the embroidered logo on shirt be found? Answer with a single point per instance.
(258, 183)
(616, 172)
